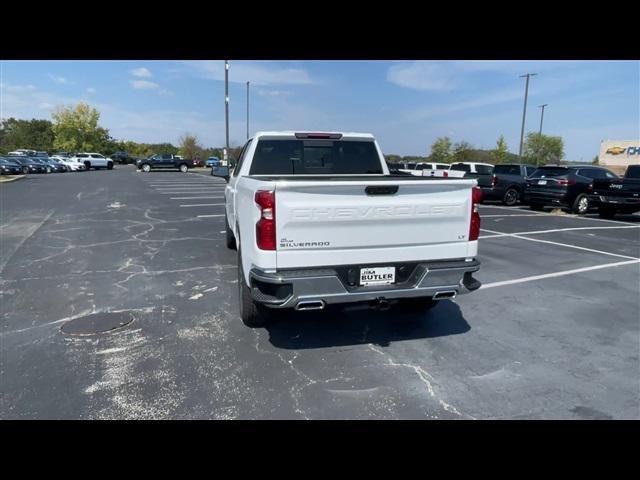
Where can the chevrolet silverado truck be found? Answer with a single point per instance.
(163, 161)
(317, 219)
(621, 195)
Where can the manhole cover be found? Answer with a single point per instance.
(97, 323)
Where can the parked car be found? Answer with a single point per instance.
(29, 165)
(612, 196)
(73, 165)
(563, 186)
(212, 162)
(123, 158)
(93, 160)
(54, 164)
(480, 171)
(164, 161)
(507, 183)
(317, 219)
(9, 167)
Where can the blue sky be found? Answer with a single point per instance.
(405, 104)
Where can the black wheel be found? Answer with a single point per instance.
(536, 206)
(510, 197)
(252, 314)
(25, 170)
(110, 166)
(183, 168)
(418, 304)
(87, 166)
(146, 168)
(580, 204)
(231, 240)
(605, 212)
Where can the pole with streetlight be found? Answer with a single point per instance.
(247, 110)
(524, 111)
(226, 110)
(541, 116)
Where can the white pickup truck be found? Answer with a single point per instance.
(317, 219)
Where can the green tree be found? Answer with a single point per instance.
(189, 147)
(462, 152)
(499, 154)
(441, 150)
(542, 149)
(35, 134)
(76, 129)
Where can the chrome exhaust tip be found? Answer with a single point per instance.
(445, 294)
(315, 305)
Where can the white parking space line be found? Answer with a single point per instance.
(202, 205)
(554, 230)
(556, 274)
(513, 235)
(192, 198)
(209, 216)
(566, 215)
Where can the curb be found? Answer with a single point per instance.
(12, 179)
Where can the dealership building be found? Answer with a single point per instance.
(621, 153)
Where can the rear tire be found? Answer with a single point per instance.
(580, 204)
(418, 304)
(253, 315)
(510, 197)
(146, 168)
(183, 168)
(87, 166)
(110, 166)
(536, 206)
(606, 212)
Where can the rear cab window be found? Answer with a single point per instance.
(315, 157)
(506, 170)
(484, 169)
(550, 172)
(462, 167)
(633, 172)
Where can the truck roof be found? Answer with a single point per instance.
(292, 133)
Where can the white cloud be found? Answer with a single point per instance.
(91, 90)
(16, 88)
(141, 72)
(258, 73)
(61, 80)
(143, 84)
(422, 76)
(273, 93)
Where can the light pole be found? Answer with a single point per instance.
(541, 116)
(226, 110)
(524, 111)
(247, 110)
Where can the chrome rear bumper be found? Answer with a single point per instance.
(290, 288)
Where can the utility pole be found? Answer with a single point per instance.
(247, 110)
(542, 116)
(226, 109)
(524, 111)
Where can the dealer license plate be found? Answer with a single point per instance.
(377, 276)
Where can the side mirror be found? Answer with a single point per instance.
(222, 172)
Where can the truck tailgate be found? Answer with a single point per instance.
(360, 221)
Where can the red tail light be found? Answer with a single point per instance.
(266, 226)
(494, 180)
(445, 174)
(566, 181)
(474, 227)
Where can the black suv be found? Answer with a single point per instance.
(563, 186)
(507, 183)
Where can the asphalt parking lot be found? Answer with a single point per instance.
(554, 333)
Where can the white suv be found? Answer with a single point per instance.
(73, 165)
(93, 160)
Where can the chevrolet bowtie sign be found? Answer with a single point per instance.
(616, 150)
